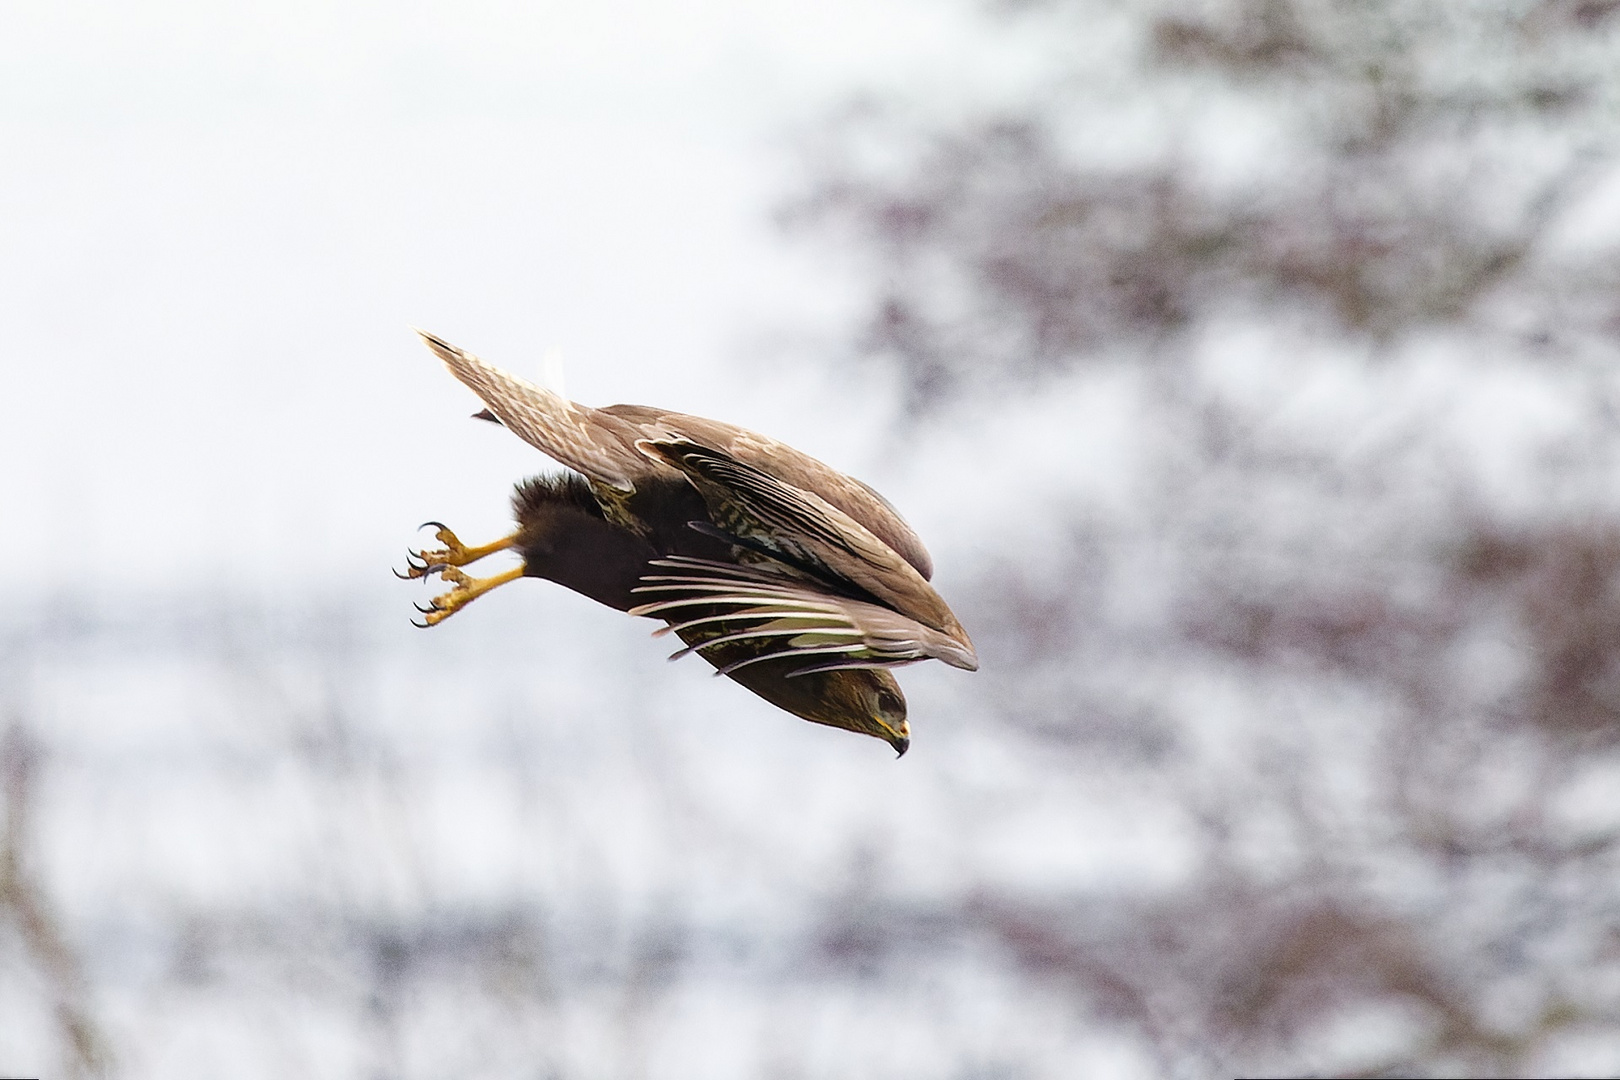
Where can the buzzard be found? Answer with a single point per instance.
(800, 583)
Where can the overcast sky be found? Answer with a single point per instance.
(220, 220)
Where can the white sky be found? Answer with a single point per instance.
(220, 219)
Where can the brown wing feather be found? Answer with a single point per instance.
(782, 616)
(808, 531)
(575, 435)
(793, 467)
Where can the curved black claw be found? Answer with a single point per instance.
(424, 610)
(416, 566)
(435, 524)
(421, 625)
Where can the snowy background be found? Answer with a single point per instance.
(1249, 369)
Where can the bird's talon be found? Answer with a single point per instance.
(416, 566)
(463, 590)
(446, 562)
(454, 553)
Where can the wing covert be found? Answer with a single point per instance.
(807, 530)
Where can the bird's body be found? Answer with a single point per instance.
(800, 583)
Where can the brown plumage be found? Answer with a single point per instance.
(800, 583)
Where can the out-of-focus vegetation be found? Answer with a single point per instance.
(1359, 268)
(1298, 756)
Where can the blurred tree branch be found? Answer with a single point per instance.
(23, 899)
(1418, 154)
(1419, 677)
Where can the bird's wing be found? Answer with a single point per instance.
(802, 529)
(598, 443)
(794, 467)
(786, 618)
(579, 437)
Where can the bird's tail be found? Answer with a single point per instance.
(545, 420)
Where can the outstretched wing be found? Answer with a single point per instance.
(788, 618)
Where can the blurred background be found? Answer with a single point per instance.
(1249, 367)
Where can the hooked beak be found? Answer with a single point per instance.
(900, 738)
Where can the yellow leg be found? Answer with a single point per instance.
(463, 591)
(454, 553)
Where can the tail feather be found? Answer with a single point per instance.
(547, 421)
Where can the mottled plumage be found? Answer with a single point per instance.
(800, 583)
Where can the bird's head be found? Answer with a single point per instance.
(864, 700)
(887, 708)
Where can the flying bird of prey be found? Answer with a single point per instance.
(800, 583)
